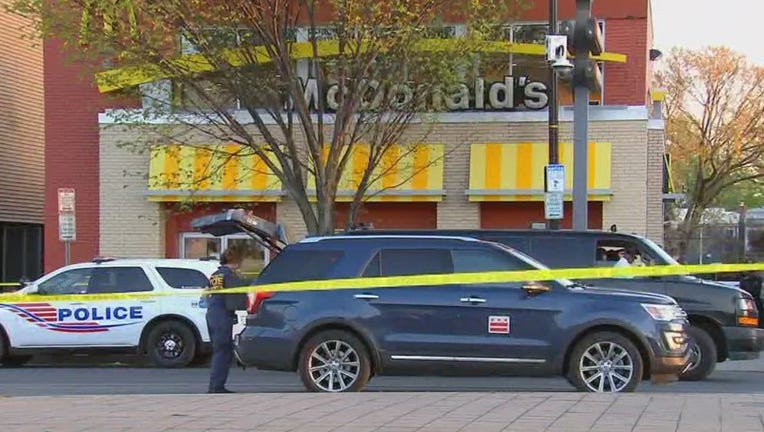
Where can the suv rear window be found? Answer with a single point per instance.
(300, 265)
(182, 278)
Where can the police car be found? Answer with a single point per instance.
(170, 330)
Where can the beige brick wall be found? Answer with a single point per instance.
(289, 216)
(131, 226)
(628, 169)
(656, 149)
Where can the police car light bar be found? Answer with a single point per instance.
(237, 221)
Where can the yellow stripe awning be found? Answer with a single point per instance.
(515, 172)
(406, 173)
(219, 173)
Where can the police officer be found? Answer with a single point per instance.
(221, 315)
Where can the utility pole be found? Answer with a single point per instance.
(554, 106)
(584, 38)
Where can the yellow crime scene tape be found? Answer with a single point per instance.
(389, 282)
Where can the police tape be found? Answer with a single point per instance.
(411, 281)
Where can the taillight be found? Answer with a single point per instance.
(255, 299)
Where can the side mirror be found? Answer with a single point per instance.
(535, 288)
(24, 281)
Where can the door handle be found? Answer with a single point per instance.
(76, 304)
(148, 301)
(366, 296)
(472, 300)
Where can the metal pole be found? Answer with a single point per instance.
(67, 253)
(581, 132)
(554, 105)
(580, 158)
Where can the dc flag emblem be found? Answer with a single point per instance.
(498, 324)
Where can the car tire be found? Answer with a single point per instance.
(171, 344)
(705, 348)
(330, 354)
(594, 368)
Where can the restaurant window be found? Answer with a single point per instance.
(21, 252)
(197, 245)
(215, 93)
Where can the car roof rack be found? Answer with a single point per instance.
(236, 221)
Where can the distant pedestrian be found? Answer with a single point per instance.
(221, 316)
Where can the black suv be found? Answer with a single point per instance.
(724, 319)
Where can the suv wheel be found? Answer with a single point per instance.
(605, 362)
(334, 361)
(702, 357)
(171, 344)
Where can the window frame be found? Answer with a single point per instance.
(40, 286)
(159, 268)
(139, 267)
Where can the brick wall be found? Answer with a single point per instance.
(22, 161)
(627, 83)
(656, 142)
(130, 225)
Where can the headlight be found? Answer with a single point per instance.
(746, 305)
(661, 312)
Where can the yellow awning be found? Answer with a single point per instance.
(220, 173)
(407, 173)
(515, 172)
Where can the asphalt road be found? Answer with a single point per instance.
(93, 380)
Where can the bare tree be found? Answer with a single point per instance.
(715, 126)
(378, 63)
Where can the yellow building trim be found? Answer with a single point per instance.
(121, 78)
(515, 171)
(219, 173)
(658, 95)
(407, 173)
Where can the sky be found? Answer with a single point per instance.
(697, 23)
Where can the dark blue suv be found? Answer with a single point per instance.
(600, 340)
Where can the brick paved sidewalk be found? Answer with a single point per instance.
(386, 412)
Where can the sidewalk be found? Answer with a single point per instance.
(387, 412)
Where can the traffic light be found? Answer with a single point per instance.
(584, 38)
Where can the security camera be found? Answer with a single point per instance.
(557, 53)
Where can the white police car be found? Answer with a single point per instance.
(170, 329)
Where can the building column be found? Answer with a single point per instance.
(456, 211)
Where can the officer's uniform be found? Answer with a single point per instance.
(221, 317)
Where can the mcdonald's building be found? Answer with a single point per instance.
(481, 165)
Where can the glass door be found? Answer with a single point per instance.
(197, 245)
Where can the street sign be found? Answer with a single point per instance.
(65, 200)
(553, 205)
(67, 227)
(555, 178)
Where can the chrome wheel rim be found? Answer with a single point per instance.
(606, 367)
(170, 346)
(334, 366)
(695, 357)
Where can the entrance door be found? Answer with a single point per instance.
(197, 245)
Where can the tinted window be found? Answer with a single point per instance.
(299, 265)
(68, 282)
(180, 278)
(560, 252)
(485, 260)
(118, 280)
(402, 262)
(372, 269)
